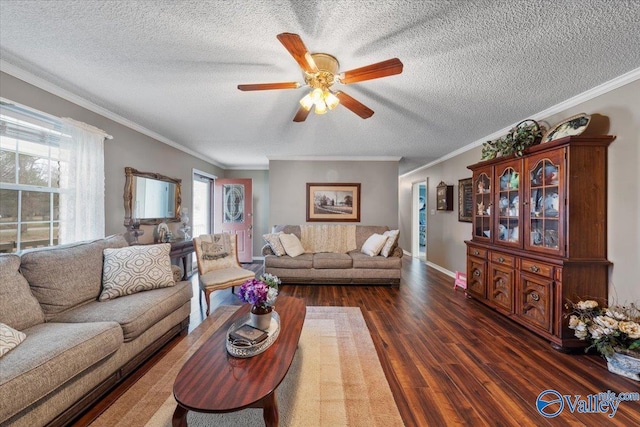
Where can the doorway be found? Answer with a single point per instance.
(234, 213)
(202, 205)
(419, 221)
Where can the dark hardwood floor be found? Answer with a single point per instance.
(451, 360)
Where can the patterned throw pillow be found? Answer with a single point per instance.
(135, 268)
(219, 247)
(391, 243)
(9, 338)
(273, 240)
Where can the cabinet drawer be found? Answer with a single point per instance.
(477, 252)
(538, 268)
(502, 259)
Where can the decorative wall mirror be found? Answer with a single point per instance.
(150, 198)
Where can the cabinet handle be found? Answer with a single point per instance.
(535, 296)
(476, 252)
(534, 269)
(500, 259)
(476, 273)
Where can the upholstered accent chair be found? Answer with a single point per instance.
(218, 265)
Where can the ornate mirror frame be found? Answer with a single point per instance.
(130, 175)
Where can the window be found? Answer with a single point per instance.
(29, 178)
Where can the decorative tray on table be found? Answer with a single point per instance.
(243, 349)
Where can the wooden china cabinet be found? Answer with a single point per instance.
(540, 233)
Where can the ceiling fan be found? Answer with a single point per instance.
(320, 71)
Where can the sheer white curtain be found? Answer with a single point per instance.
(82, 182)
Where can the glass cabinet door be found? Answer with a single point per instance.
(546, 203)
(482, 205)
(507, 227)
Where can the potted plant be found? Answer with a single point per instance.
(261, 294)
(613, 331)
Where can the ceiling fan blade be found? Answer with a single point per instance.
(354, 105)
(293, 43)
(373, 71)
(301, 115)
(270, 86)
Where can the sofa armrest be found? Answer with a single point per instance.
(266, 250)
(398, 252)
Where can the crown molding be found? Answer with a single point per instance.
(56, 90)
(605, 87)
(339, 158)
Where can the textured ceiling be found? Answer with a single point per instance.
(470, 68)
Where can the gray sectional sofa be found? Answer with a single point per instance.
(76, 347)
(351, 267)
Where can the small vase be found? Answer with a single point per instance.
(261, 317)
(622, 364)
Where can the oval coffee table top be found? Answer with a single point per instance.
(214, 381)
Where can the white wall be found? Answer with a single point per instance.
(288, 188)
(622, 108)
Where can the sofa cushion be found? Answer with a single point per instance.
(135, 313)
(364, 231)
(301, 261)
(391, 243)
(374, 244)
(135, 269)
(18, 307)
(291, 244)
(62, 277)
(361, 260)
(52, 354)
(9, 339)
(273, 240)
(332, 260)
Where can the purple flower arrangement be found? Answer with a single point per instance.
(260, 292)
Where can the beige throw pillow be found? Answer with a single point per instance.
(273, 240)
(9, 338)
(374, 244)
(134, 269)
(391, 243)
(291, 244)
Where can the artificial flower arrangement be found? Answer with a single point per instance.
(610, 330)
(260, 293)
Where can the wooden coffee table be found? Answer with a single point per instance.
(213, 381)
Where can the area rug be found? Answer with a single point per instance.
(335, 380)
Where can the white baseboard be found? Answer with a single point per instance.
(441, 269)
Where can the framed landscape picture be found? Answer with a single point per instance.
(333, 202)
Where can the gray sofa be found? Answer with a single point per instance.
(352, 267)
(76, 348)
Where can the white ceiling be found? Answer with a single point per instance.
(470, 68)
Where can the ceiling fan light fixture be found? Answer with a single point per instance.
(321, 107)
(331, 100)
(307, 102)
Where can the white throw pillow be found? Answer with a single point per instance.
(273, 240)
(9, 338)
(291, 244)
(135, 268)
(391, 243)
(374, 244)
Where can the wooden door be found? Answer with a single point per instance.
(233, 213)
